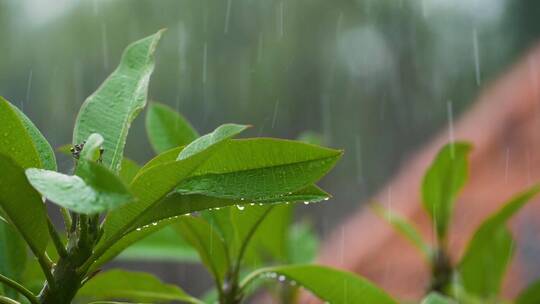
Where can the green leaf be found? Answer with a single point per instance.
(96, 190)
(165, 212)
(435, 298)
(490, 250)
(165, 157)
(442, 182)
(160, 215)
(128, 171)
(331, 285)
(15, 139)
(132, 286)
(531, 294)
(44, 149)
(152, 185)
(262, 230)
(92, 146)
(269, 241)
(167, 129)
(254, 168)
(163, 245)
(218, 135)
(18, 199)
(13, 256)
(112, 108)
(208, 243)
(303, 244)
(406, 228)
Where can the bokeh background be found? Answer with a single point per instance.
(374, 77)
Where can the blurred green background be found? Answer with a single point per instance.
(373, 77)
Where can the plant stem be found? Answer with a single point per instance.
(67, 218)
(442, 270)
(21, 289)
(58, 244)
(232, 290)
(4, 300)
(46, 264)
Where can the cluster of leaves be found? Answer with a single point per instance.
(477, 277)
(227, 199)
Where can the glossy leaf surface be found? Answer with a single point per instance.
(256, 168)
(22, 205)
(112, 108)
(15, 140)
(331, 285)
(96, 190)
(167, 128)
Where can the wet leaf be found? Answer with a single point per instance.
(442, 182)
(132, 286)
(129, 170)
(112, 108)
(43, 148)
(95, 190)
(167, 128)
(152, 185)
(18, 199)
(254, 168)
(331, 285)
(15, 140)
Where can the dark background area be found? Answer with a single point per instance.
(372, 77)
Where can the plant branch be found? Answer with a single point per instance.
(21, 289)
(234, 291)
(246, 242)
(252, 276)
(58, 244)
(46, 264)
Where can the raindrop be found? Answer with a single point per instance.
(281, 278)
(240, 207)
(281, 17)
(227, 16)
(105, 47)
(326, 198)
(306, 203)
(29, 86)
(205, 62)
(476, 57)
